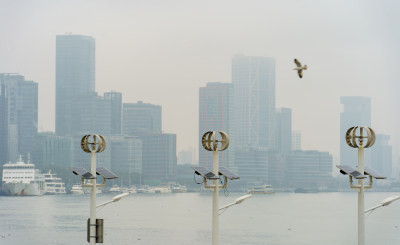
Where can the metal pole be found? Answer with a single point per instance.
(93, 201)
(361, 223)
(215, 229)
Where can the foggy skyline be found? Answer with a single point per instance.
(161, 52)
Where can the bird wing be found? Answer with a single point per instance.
(298, 64)
(300, 73)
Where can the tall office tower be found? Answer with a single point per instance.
(159, 157)
(115, 101)
(308, 169)
(283, 139)
(141, 118)
(356, 112)
(296, 140)
(216, 114)
(75, 79)
(253, 79)
(22, 114)
(381, 155)
(3, 124)
(99, 114)
(185, 157)
(52, 150)
(126, 158)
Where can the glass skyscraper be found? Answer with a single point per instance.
(141, 118)
(22, 114)
(75, 79)
(216, 114)
(253, 78)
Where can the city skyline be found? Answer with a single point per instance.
(167, 69)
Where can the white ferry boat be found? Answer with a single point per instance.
(22, 179)
(54, 185)
(77, 189)
(263, 189)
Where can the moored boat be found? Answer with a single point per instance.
(54, 185)
(22, 179)
(263, 189)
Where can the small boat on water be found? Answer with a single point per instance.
(54, 185)
(263, 189)
(162, 189)
(115, 189)
(177, 188)
(77, 190)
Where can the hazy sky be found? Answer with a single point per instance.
(162, 51)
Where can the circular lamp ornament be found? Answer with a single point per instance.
(97, 145)
(351, 137)
(210, 141)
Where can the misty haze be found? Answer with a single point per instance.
(156, 117)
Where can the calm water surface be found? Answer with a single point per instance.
(185, 218)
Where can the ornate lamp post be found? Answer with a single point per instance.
(97, 145)
(357, 141)
(211, 143)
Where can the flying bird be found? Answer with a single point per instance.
(299, 68)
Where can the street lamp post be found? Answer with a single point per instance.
(357, 141)
(97, 145)
(211, 143)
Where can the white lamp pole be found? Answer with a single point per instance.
(215, 226)
(98, 145)
(210, 143)
(361, 221)
(93, 200)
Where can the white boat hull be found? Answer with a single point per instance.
(23, 189)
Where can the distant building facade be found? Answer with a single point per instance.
(253, 79)
(141, 118)
(253, 164)
(159, 157)
(185, 157)
(52, 150)
(216, 114)
(115, 101)
(381, 155)
(3, 124)
(356, 112)
(75, 81)
(22, 114)
(296, 140)
(126, 158)
(283, 139)
(308, 169)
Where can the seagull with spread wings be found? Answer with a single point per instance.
(299, 68)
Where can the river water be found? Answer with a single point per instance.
(185, 218)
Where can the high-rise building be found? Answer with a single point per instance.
(75, 80)
(216, 114)
(296, 140)
(253, 79)
(159, 157)
(115, 101)
(356, 112)
(22, 114)
(126, 158)
(141, 118)
(52, 150)
(3, 124)
(252, 163)
(308, 169)
(381, 155)
(283, 139)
